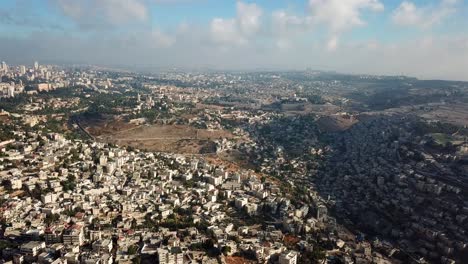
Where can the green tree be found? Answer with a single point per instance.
(226, 250)
(132, 250)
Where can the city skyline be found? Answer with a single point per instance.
(425, 39)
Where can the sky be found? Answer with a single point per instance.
(422, 38)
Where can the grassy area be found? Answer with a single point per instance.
(444, 139)
(441, 139)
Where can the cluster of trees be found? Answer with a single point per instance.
(69, 184)
(51, 218)
(150, 114)
(74, 211)
(11, 104)
(6, 132)
(209, 247)
(132, 250)
(108, 104)
(315, 99)
(294, 134)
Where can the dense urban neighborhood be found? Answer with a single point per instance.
(102, 165)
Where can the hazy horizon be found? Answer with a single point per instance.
(422, 39)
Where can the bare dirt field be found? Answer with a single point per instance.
(308, 108)
(4, 119)
(168, 138)
(238, 260)
(146, 132)
(456, 114)
(202, 106)
(105, 126)
(335, 123)
(169, 132)
(182, 146)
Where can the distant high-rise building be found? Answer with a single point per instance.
(23, 70)
(36, 65)
(11, 91)
(4, 66)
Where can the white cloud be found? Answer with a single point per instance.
(339, 16)
(408, 14)
(285, 22)
(332, 43)
(237, 31)
(226, 31)
(248, 17)
(72, 9)
(221, 43)
(161, 39)
(94, 14)
(286, 26)
(428, 57)
(283, 44)
(424, 57)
